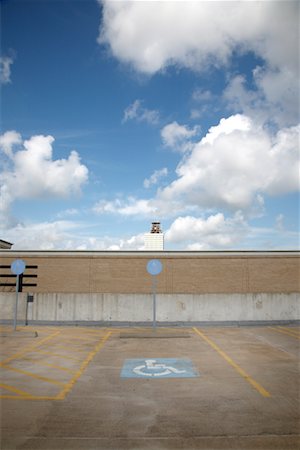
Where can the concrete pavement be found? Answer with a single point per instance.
(222, 388)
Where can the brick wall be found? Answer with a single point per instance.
(183, 272)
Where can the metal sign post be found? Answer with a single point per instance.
(17, 268)
(154, 267)
(154, 300)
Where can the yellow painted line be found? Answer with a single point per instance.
(230, 361)
(92, 332)
(29, 348)
(52, 366)
(70, 342)
(29, 397)
(284, 331)
(291, 330)
(7, 387)
(33, 375)
(83, 366)
(69, 337)
(71, 348)
(58, 355)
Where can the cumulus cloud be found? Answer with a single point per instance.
(178, 136)
(215, 231)
(5, 70)
(137, 112)
(8, 140)
(253, 152)
(67, 235)
(201, 95)
(153, 35)
(136, 242)
(33, 173)
(235, 164)
(155, 177)
(275, 99)
(233, 167)
(129, 207)
(44, 235)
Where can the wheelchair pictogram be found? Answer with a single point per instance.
(158, 368)
(153, 369)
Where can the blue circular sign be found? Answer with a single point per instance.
(18, 267)
(154, 266)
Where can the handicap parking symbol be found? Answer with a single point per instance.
(158, 368)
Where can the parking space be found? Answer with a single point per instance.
(49, 366)
(192, 388)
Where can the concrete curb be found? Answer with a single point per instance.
(19, 334)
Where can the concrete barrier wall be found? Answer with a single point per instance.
(134, 308)
(193, 286)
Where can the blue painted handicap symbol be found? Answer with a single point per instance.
(158, 368)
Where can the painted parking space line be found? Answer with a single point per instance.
(51, 366)
(9, 388)
(30, 348)
(285, 331)
(32, 375)
(257, 386)
(71, 348)
(294, 331)
(59, 355)
(65, 386)
(71, 338)
(68, 387)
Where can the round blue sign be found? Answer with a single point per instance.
(18, 267)
(154, 266)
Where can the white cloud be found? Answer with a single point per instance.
(44, 235)
(68, 212)
(5, 71)
(133, 243)
(66, 235)
(129, 207)
(226, 127)
(154, 35)
(279, 223)
(213, 232)
(189, 233)
(155, 177)
(275, 98)
(137, 112)
(151, 36)
(32, 173)
(201, 95)
(234, 165)
(8, 140)
(178, 136)
(232, 168)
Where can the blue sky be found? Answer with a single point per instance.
(117, 114)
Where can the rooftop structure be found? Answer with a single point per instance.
(5, 245)
(155, 239)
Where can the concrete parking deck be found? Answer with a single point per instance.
(85, 388)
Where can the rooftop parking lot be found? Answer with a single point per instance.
(176, 388)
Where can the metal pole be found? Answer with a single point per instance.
(16, 305)
(26, 312)
(154, 301)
